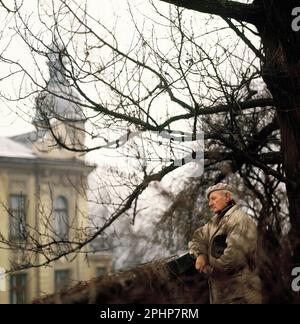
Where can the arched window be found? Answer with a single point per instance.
(61, 218)
(17, 217)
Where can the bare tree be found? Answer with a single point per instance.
(280, 71)
(177, 74)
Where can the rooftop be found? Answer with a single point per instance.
(10, 148)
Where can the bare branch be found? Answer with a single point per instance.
(8, 9)
(230, 9)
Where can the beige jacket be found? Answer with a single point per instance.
(229, 244)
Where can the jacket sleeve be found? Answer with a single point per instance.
(199, 244)
(241, 242)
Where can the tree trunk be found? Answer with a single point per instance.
(285, 89)
(281, 72)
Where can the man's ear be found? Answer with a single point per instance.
(227, 196)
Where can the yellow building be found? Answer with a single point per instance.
(43, 200)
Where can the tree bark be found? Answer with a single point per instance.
(281, 72)
(223, 8)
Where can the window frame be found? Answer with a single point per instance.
(61, 218)
(17, 223)
(63, 283)
(17, 288)
(101, 271)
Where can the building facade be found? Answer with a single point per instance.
(43, 205)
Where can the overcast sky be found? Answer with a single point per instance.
(13, 121)
(15, 118)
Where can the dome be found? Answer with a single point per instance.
(58, 100)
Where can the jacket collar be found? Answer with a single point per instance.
(231, 207)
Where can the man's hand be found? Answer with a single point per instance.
(201, 263)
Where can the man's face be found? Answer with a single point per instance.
(218, 201)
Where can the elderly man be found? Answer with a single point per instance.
(225, 250)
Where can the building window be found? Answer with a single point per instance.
(62, 279)
(101, 271)
(17, 217)
(61, 218)
(18, 288)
